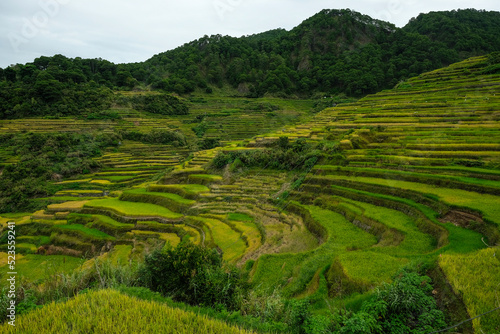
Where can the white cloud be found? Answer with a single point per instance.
(130, 31)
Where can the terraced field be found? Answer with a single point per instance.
(410, 177)
(420, 173)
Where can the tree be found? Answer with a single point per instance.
(47, 88)
(405, 306)
(10, 74)
(192, 273)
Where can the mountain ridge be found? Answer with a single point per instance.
(333, 52)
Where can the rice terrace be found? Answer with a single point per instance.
(340, 177)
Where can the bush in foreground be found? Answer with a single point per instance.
(405, 306)
(192, 274)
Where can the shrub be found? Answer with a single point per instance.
(193, 274)
(164, 104)
(405, 306)
(298, 156)
(208, 143)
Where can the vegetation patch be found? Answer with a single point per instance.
(111, 312)
(133, 209)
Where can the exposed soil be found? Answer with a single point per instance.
(460, 218)
(56, 250)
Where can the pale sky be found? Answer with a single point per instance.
(132, 31)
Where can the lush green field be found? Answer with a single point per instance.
(34, 267)
(133, 208)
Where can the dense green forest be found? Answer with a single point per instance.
(333, 52)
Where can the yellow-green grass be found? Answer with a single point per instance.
(476, 277)
(205, 178)
(415, 242)
(74, 181)
(79, 192)
(120, 254)
(35, 267)
(233, 247)
(33, 239)
(111, 224)
(25, 247)
(170, 196)
(245, 224)
(102, 182)
(397, 159)
(169, 238)
(119, 178)
(460, 240)
(133, 209)
(371, 266)
(472, 170)
(185, 190)
(15, 215)
(487, 204)
(108, 311)
(18, 219)
(120, 173)
(397, 174)
(69, 198)
(41, 214)
(275, 270)
(4, 258)
(85, 232)
(67, 206)
(193, 234)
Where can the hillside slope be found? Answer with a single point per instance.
(334, 51)
(339, 204)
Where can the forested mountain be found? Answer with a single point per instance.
(469, 32)
(333, 52)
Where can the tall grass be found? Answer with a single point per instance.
(108, 311)
(476, 277)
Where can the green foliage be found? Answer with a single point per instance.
(208, 143)
(331, 101)
(405, 306)
(200, 129)
(54, 86)
(298, 155)
(156, 136)
(162, 104)
(471, 32)
(193, 274)
(283, 143)
(45, 156)
(334, 52)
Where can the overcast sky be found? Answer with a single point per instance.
(125, 31)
